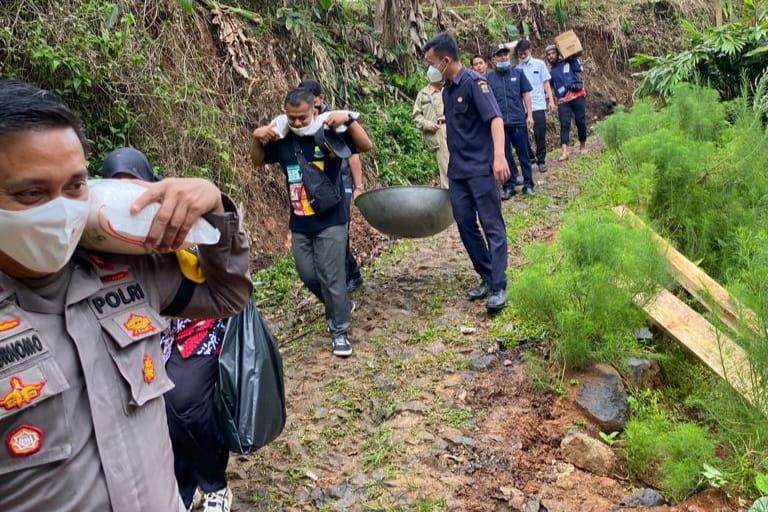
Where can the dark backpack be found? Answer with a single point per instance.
(322, 193)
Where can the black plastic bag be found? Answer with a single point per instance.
(250, 395)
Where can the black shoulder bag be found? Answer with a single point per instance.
(322, 193)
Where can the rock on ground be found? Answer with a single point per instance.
(602, 396)
(587, 453)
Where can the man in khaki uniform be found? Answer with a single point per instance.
(82, 420)
(429, 118)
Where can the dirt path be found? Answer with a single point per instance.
(432, 412)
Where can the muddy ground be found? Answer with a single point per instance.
(432, 411)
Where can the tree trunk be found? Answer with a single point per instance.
(401, 22)
(437, 14)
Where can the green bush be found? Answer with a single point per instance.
(696, 169)
(672, 454)
(585, 288)
(401, 156)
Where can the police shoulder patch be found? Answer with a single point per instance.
(484, 86)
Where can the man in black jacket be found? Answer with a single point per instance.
(513, 94)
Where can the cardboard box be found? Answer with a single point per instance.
(568, 44)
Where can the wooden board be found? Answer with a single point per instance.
(710, 346)
(696, 282)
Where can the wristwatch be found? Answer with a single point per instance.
(352, 118)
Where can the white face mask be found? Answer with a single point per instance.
(305, 131)
(43, 238)
(434, 74)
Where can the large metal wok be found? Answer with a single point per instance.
(408, 212)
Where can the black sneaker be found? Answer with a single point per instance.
(507, 193)
(341, 346)
(527, 191)
(497, 301)
(479, 292)
(542, 167)
(354, 283)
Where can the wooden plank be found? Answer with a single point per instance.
(706, 290)
(710, 346)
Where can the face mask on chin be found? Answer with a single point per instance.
(44, 237)
(306, 131)
(526, 60)
(503, 65)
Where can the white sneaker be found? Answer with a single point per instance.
(197, 500)
(218, 501)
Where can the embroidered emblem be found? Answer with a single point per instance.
(24, 441)
(484, 87)
(99, 262)
(149, 369)
(9, 324)
(20, 394)
(111, 278)
(460, 99)
(138, 325)
(318, 152)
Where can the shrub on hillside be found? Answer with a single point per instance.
(587, 286)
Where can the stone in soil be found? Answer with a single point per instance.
(643, 498)
(483, 362)
(601, 395)
(642, 372)
(587, 453)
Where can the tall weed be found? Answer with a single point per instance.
(585, 288)
(697, 169)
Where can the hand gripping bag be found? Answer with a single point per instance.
(250, 396)
(111, 227)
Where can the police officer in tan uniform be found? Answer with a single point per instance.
(82, 422)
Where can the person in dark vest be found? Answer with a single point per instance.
(476, 166)
(513, 93)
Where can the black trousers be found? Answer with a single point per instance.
(539, 137)
(517, 137)
(473, 199)
(574, 109)
(199, 452)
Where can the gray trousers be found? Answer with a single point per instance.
(321, 264)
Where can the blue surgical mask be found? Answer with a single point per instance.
(503, 65)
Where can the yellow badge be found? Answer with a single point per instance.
(20, 394)
(139, 324)
(149, 369)
(318, 152)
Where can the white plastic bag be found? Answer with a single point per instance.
(111, 227)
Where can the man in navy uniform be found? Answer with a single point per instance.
(513, 92)
(476, 165)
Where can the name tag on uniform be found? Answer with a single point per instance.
(513, 79)
(117, 298)
(28, 372)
